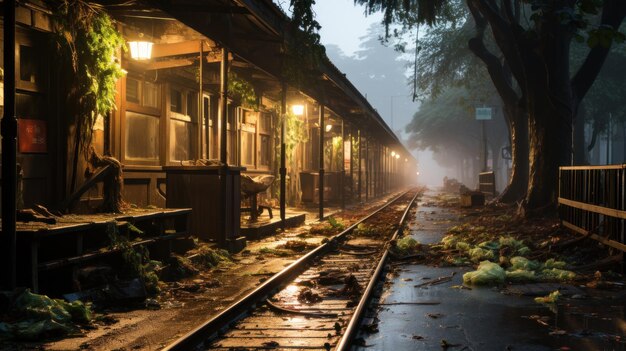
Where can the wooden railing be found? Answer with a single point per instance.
(592, 202)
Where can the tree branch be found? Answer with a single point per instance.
(503, 32)
(494, 66)
(613, 13)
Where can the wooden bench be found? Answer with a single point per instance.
(77, 239)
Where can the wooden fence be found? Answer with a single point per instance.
(592, 202)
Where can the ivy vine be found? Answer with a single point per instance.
(242, 90)
(88, 42)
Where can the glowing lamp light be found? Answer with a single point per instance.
(418, 173)
(140, 50)
(329, 127)
(297, 110)
(393, 154)
(397, 156)
(406, 160)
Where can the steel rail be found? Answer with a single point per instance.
(203, 332)
(353, 325)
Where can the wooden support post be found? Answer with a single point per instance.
(223, 145)
(283, 156)
(351, 164)
(359, 162)
(321, 171)
(367, 167)
(224, 106)
(8, 130)
(342, 173)
(201, 107)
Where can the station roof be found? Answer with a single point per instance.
(254, 30)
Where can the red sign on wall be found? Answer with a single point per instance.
(32, 136)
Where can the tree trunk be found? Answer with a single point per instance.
(550, 147)
(580, 148)
(518, 183)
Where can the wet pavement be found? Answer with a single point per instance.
(444, 316)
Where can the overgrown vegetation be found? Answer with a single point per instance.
(242, 90)
(137, 259)
(88, 44)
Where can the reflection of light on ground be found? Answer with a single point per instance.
(292, 289)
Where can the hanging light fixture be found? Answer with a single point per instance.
(297, 110)
(397, 155)
(140, 49)
(329, 127)
(393, 154)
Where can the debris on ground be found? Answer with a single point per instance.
(28, 316)
(308, 296)
(403, 247)
(176, 268)
(488, 273)
(553, 297)
(267, 251)
(297, 246)
(204, 256)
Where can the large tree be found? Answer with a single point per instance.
(533, 37)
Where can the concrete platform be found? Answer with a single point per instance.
(265, 226)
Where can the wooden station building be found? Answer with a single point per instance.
(323, 143)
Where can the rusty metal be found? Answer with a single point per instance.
(239, 309)
(353, 326)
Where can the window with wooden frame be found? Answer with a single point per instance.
(265, 140)
(183, 121)
(249, 120)
(207, 116)
(142, 121)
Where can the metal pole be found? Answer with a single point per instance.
(359, 162)
(321, 171)
(484, 146)
(283, 156)
(8, 130)
(342, 172)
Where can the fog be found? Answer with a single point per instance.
(378, 71)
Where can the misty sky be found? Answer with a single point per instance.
(343, 24)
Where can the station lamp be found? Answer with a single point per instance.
(329, 127)
(397, 155)
(393, 154)
(297, 110)
(140, 49)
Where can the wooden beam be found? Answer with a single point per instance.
(182, 48)
(169, 64)
(603, 240)
(593, 208)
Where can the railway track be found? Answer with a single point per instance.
(317, 301)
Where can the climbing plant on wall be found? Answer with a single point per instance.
(88, 43)
(295, 133)
(242, 90)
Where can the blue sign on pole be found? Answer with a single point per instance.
(483, 113)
